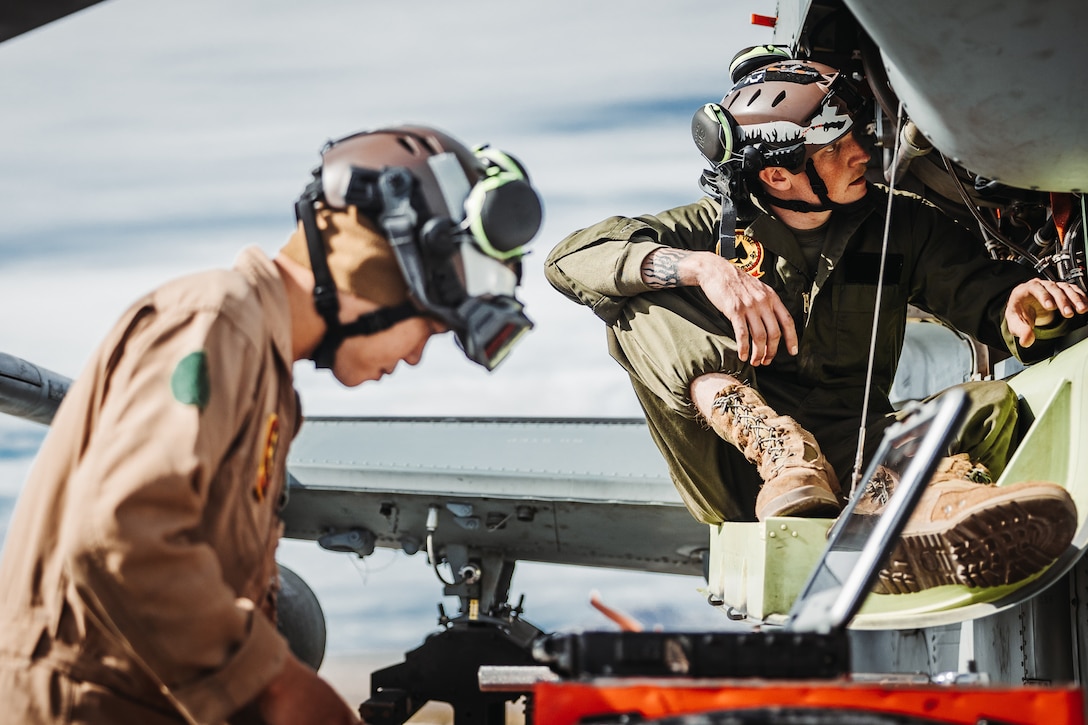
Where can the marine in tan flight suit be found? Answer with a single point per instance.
(139, 577)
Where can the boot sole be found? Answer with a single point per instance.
(994, 546)
(808, 501)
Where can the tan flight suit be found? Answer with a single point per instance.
(141, 552)
(664, 339)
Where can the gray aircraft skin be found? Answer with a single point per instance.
(988, 97)
(978, 107)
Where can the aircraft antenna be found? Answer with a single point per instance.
(859, 455)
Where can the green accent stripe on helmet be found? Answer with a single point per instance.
(474, 209)
(500, 169)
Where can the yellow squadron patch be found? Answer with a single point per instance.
(750, 255)
(268, 456)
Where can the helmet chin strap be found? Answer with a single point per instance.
(325, 295)
(324, 354)
(806, 207)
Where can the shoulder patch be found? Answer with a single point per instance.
(190, 383)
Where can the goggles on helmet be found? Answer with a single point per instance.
(782, 143)
(757, 136)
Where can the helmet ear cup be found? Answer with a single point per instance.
(715, 133)
(503, 209)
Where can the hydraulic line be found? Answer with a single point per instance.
(989, 231)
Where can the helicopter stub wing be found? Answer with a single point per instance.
(565, 491)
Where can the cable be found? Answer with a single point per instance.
(432, 526)
(855, 476)
(986, 226)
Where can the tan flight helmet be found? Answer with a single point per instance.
(777, 115)
(453, 221)
(503, 211)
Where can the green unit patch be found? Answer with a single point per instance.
(189, 383)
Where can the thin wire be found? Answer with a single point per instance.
(434, 561)
(361, 568)
(364, 569)
(1072, 271)
(859, 454)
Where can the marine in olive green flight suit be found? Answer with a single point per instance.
(667, 338)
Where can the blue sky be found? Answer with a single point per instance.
(143, 139)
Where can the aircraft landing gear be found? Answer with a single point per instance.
(487, 631)
(445, 668)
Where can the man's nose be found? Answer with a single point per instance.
(858, 152)
(416, 355)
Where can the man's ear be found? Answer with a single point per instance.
(777, 178)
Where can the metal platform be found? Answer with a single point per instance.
(758, 568)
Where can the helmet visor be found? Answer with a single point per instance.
(787, 144)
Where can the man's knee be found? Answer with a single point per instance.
(994, 400)
(997, 392)
(989, 429)
(668, 346)
(706, 387)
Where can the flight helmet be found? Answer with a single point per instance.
(777, 114)
(457, 219)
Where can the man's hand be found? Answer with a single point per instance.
(1035, 303)
(298, 695)
(760, 320)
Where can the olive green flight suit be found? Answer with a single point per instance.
(667, 338)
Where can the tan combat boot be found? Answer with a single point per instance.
(797, 479)
(879, 488)
(967, 531)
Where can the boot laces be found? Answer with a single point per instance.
(979, 474)
(879, 488)
(768, 439)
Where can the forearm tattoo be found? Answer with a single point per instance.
(661, 270)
